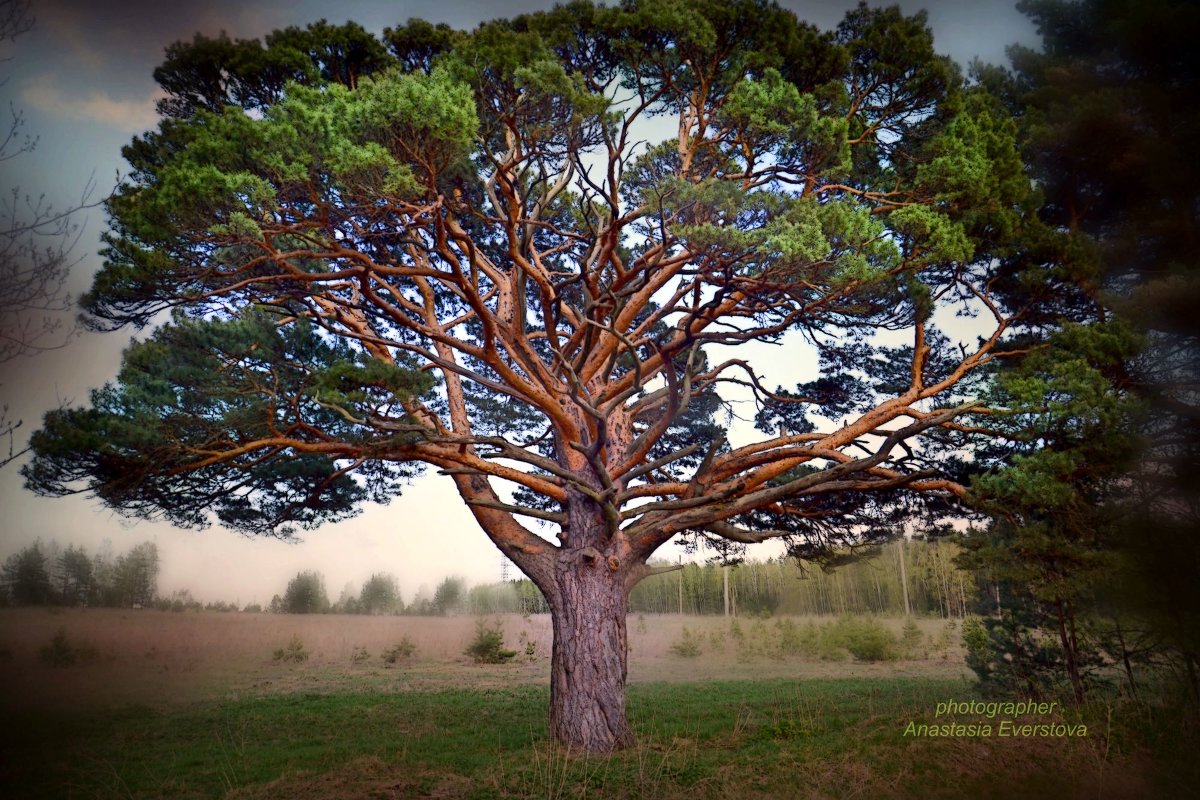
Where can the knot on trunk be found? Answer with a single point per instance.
(593, 556)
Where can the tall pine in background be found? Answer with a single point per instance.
(1096, 510)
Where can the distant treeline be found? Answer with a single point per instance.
(914, 576)
(305, 594)
(42, 575)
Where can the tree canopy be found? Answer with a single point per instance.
(1096, 509)
(469, 252)
(305, 594)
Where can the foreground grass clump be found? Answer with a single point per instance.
(764, 739)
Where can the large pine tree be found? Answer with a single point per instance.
(454, 250)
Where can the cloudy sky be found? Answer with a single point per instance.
(81, 77)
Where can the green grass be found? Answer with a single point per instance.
(777, 738)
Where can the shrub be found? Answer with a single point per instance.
(867, 639)
(530, 644)
(911, 639)
(948, 637)
(358, 655)
(758, 640)
(825, 642)
(294, 651)
(975, 639)
(401, 651)
(688, 644)
(61, 653)
(488, 645)
(791, 641)
(1012, 656)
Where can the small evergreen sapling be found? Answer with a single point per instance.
(488, 645)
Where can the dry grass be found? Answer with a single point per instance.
(722, 658)
(316, 729)
(159, 658)
(163, 659)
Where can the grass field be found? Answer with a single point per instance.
(162, 705)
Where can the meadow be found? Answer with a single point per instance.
(106, 703)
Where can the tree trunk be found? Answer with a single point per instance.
(588, 659)
(586, 583)
(1125, 659)
(1070, 651)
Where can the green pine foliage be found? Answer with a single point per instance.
(488, 645)
(1091, 553)
(838, 183)
(62, 652)
(401, 651)
(293, 652)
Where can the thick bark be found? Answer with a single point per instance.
(586, 583)
(588, 594)
(588, 661)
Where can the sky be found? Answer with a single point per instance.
(82, 79)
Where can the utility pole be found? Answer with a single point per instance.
(725, 580)
(681, 586)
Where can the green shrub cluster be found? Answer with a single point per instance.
(294, 652)
(688, 645)
(529, 645)
(60, 652)
(785, 638)
(488, 645)
(911, 639)
(866, 639)
(861, 638)
(401, 651)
